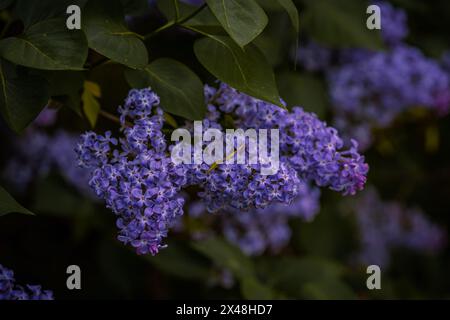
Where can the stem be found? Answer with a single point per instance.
(175, 22)
(177, 10)
(162, 28)
(113, 118)
(195, 30)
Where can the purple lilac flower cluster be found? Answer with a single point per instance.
(307, 144)
(141, 184)
(373, 91)
(387, 225)
(135, 175)
(11, 291)
(242, 186)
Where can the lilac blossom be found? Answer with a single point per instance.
(141, 185)
(135, 175)
(307, 144)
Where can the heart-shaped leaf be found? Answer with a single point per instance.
(246, 70)
(180, 90)
(244, 20)
(47, 45)
(107, 34)
(9, 205)
(22, 96)
(292, 11)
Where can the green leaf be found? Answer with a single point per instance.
(47, 45)
(167, 8)
(246, 70)
(226, 256)
(107, 34)
(304, 90)
(274, 41)
(180, 90)
(244, 20)
(91, 106)
(204, 20)
(22, 96)
(340, 24)
(9, 205)
(292, 11)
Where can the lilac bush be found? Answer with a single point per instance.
(141, 185)
(307, 144)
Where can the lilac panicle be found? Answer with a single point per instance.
(307, 144)
(141, 185)
(135, 175)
